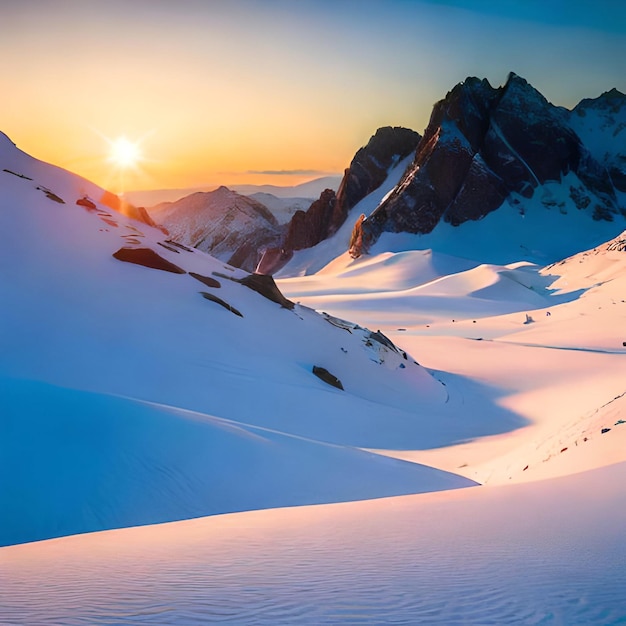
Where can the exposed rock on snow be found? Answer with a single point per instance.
(206, 280)
(148, 258)
(86, 202)
(266, 286)
(214, 298)
(323, 374)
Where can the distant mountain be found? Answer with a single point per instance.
(487, 147)
(311, 189)
(232, 227)
(282, 209)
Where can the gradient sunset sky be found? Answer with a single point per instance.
(273, 91)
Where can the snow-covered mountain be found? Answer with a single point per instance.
(601, 124)
(488, 148)
(239, 230)
(230, 226)
(367, 171)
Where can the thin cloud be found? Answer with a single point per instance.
(288, 172)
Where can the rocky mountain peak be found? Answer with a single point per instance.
(482, 146)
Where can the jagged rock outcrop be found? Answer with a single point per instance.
(308, 228)
(371, 164)
(482, 146)
(232, 227)
(368, 170)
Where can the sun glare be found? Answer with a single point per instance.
(124, 153)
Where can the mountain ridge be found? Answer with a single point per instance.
(482, 147)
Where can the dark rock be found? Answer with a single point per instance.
(168, 247)
(370, 166)
(307, 229)
(86, 202)
(385, 341)
(126, 208)
(16, 174)
(265, 285)
(605, 430)
(51, 195)
(148, 258)
(178, 245)
(323, 374)
(206, 280)
(212, 298)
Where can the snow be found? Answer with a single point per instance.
(541, 553)
(127, 400)
(89, 461)
(601, 124)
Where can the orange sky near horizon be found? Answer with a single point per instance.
(262, 92)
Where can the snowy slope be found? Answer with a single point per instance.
(87, 338)
(548, 341)
(546, 553)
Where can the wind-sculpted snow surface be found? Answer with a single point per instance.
(546, 553)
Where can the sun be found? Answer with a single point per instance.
(124, 153)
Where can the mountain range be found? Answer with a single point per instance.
(310, 190)
(486, 150)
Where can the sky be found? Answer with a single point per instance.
(273, 91)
